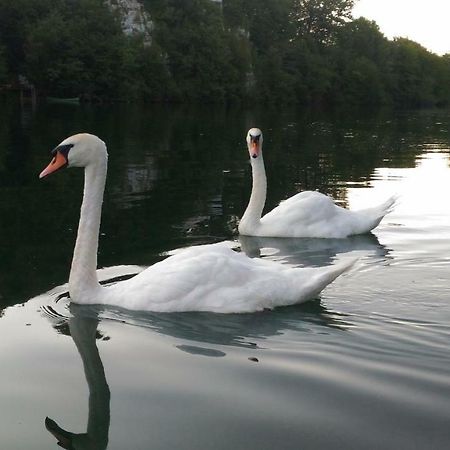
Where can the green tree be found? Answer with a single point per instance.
(311, 71)
(359, 57)
(443, 80)
(269, 24)
(145, 76)
(235, 14)
(75, 50)
(320, 19)
(3, 66)
(359, 82)
(274, 84)
(307, 51)
(204, 62)
(413, 80)
(15, 19)
(362, 37)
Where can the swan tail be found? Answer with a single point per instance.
(389, 205)
(323, 276)
(381, 210)
(371, 217)
(336, 270)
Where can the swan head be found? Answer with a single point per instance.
(74, 441)
(79, 150)
(254, 142)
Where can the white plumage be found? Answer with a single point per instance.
(203, 278)
(307, 214)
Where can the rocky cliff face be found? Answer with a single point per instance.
(134, 18)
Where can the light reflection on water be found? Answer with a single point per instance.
(366, 366)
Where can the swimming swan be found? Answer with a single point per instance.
(201, 278)
(307, 214)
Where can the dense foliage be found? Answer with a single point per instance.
(283, 51)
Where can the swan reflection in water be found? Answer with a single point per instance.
(313, 251)
(197, 333)
(84, 333)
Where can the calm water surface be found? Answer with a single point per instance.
(366, 365)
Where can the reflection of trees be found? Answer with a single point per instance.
(138, 181)
(84, 331)
(324, 152)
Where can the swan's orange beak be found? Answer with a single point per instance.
(254, 149)
(58, 162)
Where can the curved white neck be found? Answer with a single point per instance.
(255, 206)
(83, 276)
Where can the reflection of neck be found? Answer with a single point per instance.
(83, 277)
(83, 331)
(255, 206)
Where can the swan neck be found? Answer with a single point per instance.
(257, 200)
(83, 276)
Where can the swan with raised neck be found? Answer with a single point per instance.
(201, 278)
(306, 214)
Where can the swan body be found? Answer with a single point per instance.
(307, 214)
(202, 278)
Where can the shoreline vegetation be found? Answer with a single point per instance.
(307, 52)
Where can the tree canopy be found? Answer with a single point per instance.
(320, 19)
(279, 51)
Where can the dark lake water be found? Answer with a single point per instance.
(364, 366)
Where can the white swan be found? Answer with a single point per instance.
(307, 214)
(202, 278)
